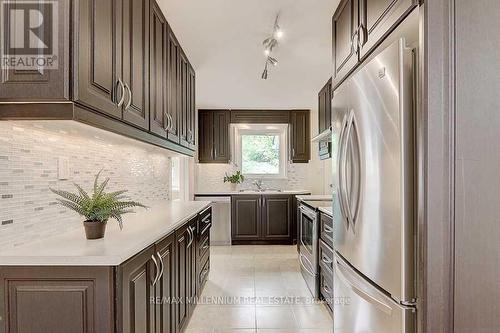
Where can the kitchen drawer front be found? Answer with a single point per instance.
(203, 275)
(325, 256)
(205, 222)
(326, 229)
(326, 287)
(204, 246)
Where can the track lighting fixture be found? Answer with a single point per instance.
(269, 44)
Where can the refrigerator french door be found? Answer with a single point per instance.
(373, 142)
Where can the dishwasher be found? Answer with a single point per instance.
(220, 233)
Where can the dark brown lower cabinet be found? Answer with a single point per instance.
(277, 217)
(152, 292)
(165, 287)
(262, 219)
(245, 218)
(56, 299)
(136, 291)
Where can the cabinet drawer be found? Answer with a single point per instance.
(325, 256)
(204, 246)
(203, 276)
(205, 222)
(326, 231)
(326, 290)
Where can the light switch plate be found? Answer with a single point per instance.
(62, 168)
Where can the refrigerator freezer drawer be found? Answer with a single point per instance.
(359, 307)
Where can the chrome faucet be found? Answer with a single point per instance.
(258, 184)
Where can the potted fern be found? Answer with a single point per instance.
(97, 207)
(234, 179)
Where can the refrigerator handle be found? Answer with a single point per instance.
(343, 167)
(339, 172)
(352, 131)
(350, 280)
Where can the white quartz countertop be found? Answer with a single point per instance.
(140, 230)
(314, 197)
(327, 210)
(268, 192)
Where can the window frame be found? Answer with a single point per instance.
(281, 130)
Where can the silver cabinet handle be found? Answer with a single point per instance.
(327, 229)
(327, 290)
(166, 127)
(355, 44)
(364, 34)
(326, 260)
(206, 228)
(162, 265)
(120, 83)
(191, 238)
(156, 270)
(171, 122)
(129, 96)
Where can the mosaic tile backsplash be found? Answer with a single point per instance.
(29, 154)
(210, 178)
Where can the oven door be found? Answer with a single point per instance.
(308, 234)
(308, 251)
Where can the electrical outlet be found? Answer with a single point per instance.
(62, 168)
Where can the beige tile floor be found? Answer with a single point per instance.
(257, 289)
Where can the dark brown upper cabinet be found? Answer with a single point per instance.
(324, 107)
(191, 110)
(120, 68)
(39, 84)
(183, 93)
(135, 29)
(174, 101)
(377, 17)
(358, 26)
(98, 83)
(213, 145)
(158, 100)
(300, 141)
(277, 217)
(260, 116)
(344, 32)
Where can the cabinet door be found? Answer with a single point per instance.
(183, 244)
(192, 250)
(301, 136)
(38, 84)
(277, 217)
(321, 110)
(98, 56)
(344, 27)
(246, 217)
(191, 101)
(135, 25)
(328, 105)
(182, 85)
(378, 18)
(206, 136)
(158, 70)
(222, 152)
(165, 287)
(137, 310)
(173, 75)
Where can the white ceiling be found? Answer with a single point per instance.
(223, 40)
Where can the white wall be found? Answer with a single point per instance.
(28, 167)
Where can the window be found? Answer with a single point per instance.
(261, 150)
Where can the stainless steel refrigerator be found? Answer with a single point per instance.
(374, 223)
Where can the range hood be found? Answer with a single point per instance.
(326, 135)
